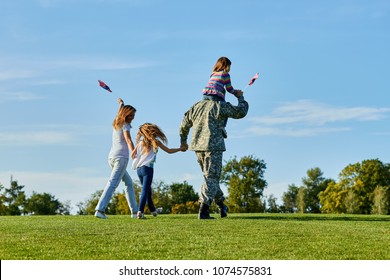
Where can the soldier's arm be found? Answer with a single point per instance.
(235, 112)
(185, 127)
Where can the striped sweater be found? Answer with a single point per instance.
(217, 84)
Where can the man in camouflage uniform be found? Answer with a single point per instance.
(207, 119)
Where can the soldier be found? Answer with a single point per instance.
(207, 118)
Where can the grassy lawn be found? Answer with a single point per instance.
(184, 237)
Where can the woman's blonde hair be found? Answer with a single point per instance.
(149, 134)
(222, 64)
(123, 112)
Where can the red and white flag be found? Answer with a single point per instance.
(254, 78)
(103, 85)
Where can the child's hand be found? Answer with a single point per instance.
(120, 101)
(184, 147)
(133, 153)
(238, 93)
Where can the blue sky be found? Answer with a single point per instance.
(322, 99)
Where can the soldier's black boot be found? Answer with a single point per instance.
(223, 209)
(204, 212)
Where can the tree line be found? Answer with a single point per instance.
(361, 188)
(14, 202)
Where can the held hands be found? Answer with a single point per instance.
(238, 93)
(133, 153)
(183, 147)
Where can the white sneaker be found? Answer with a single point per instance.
(140, 215)
(100, 215)
(134, 216)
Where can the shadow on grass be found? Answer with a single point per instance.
(311, 217)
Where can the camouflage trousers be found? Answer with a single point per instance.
(211, 165)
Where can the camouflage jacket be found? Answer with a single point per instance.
(207, 119)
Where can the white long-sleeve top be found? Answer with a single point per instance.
(143, 158)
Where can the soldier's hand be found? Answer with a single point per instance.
(183, 147)
(238, 93)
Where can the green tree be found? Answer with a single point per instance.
(351, 202)
(314, 183)
(180, 193)
(161, 197)
(245, 184)
(122, 207)
(362, 178)
(2, 202)
(289, 199)
(65, 208)
(43, 204)
(14, 199)
(301, 204)
(272, 206)
(190, 207)
(381, 200)
(332, 199)
(168, 196)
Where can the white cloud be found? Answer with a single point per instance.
(42, 135)
(48, 82)
(294, 132)
(36, 67)
(19, 96)
(15, 74)
(101, 63)
(309, 118)
(36, 138)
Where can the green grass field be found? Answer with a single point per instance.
(184, 237)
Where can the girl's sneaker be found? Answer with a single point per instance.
(100, 215)
(154, 213)
(140, 215)
(134, 216)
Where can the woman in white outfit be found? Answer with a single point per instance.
(118, 158)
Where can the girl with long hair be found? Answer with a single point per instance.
(118, 159)
(149, 138)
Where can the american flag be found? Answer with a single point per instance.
(103, 85)
(254, 78)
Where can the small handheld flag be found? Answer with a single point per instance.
(103, 85)
(253, 79)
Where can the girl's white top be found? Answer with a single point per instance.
(143, 158)
(119, 147)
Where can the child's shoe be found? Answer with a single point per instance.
(140, 215)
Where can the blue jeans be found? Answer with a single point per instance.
(118, 173)
(145, 175)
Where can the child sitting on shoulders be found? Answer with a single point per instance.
(219, 83)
